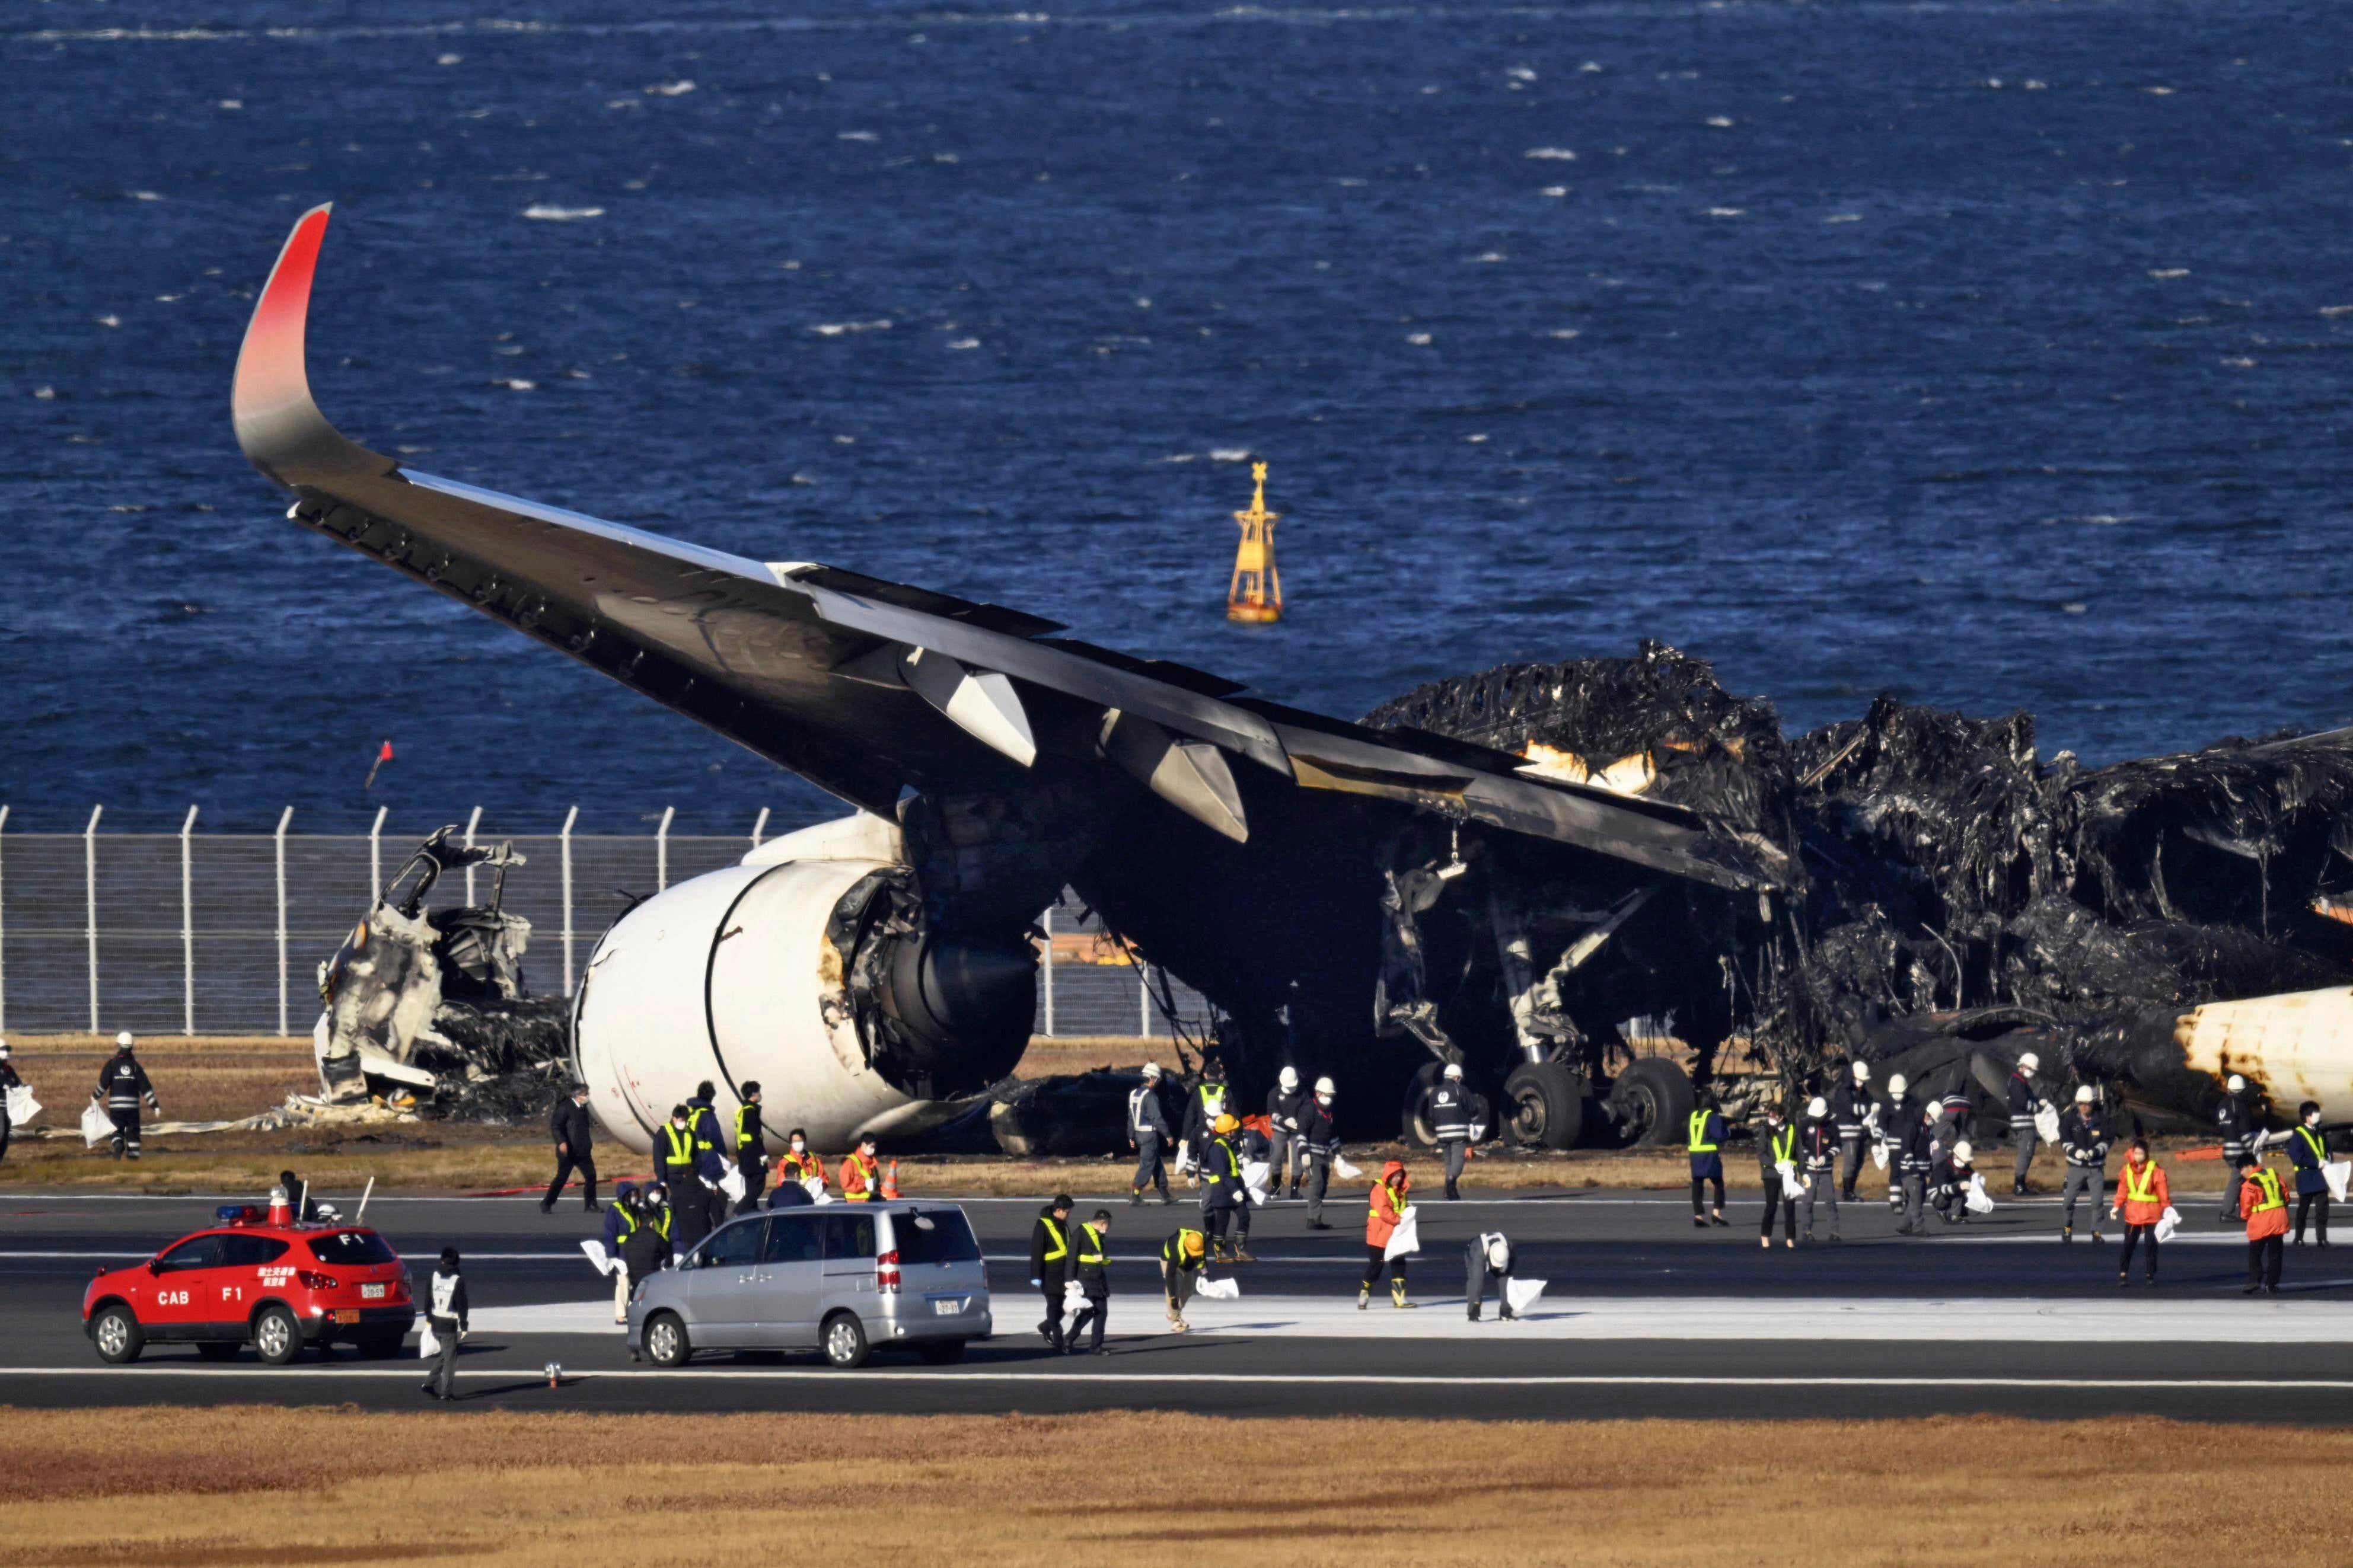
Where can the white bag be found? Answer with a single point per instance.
(2167, 1223)
(1406, 1239)
(427, 1346)
(97, 1126)
(815, 1188)
(599, 1259)
(1074, 1296)
(731, 1184)
(1254, 1174)
(1345, 1171)
(1790, 1185)
(2046, 1123)
(1978, 1202)
(2334, 1173)
(1184, 1160)
(1226, 1290)
(1879, 1155)
(22, 1106)
(1521, 1294)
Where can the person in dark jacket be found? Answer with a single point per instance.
(645, 1241)
(750, 1149)
(620, 1216)
(1948, 1182)
(1182, 1258)
(446, 1312)
(1049, 1264)
(1820, 1148)
(1851, 1106)
(1703, 1143)
(1202, 1109)
(1910, 1165)
(1147, 1134)
(690, 1174)
(2236, 1120)
(1896, 1115)
(2307, 1150)
(1223, 1192)
(1776, 1146)
(123, 1086)
(1091, 1260)
(1446, 1107)
(1489, 1254)
(8, 1080)
(299, 1201)
(1319, 1138)
(2083, 1136)
(2025, 1100)
(1286, 1102)
(568, 1124)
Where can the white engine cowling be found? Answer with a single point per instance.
(735, 976)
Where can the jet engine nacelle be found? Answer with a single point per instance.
(807, 969)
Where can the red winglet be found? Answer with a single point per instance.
(272, 391)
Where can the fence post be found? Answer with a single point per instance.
(1045, 921)
(90, 904)
(3, 927)
(569, 818)
(1144, 998)
(284, 818)
(472, 822)
(661, 849)
(376, 858)
(187, 930)
(759, 826)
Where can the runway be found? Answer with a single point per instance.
(1642, 1315)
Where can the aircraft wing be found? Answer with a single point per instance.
(865, 687)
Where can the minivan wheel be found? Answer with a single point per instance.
(277, 1336)
(845, 1340)
(666, 1341)
(117, 1334)
(941, 1353)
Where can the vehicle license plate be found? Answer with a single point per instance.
(946, 1306)
(348, 1315)
(371, 1292)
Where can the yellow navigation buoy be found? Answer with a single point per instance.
(1256, 593)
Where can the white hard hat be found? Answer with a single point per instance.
(1453, 1069)
(2084, 1095)
(1862, 1072)
(1152, 1069)
(1962, 1150)
(1324, 1086)
(2029, 1062)
(1896, 1084)
(123, 1040)
(1290, 1078)
(1818, 1106)
(1499, 1252)
(2236, 1084)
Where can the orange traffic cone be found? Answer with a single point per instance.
(891, 1181)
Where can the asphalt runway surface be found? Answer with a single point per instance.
(1642, 1315)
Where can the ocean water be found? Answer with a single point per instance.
(1993, 355)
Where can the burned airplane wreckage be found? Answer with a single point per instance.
(1506, 870)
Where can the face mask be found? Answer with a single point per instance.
(1324, 1101)
(797, 1146)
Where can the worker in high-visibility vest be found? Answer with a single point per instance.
(1182, 1258)
(1049, 1264)
(2264, 1205)
(800, 1164)
(2307, 1146)
(1090, 1267)
(2142, 1198)
(751, 1149)
(1386, 1210)
(1776, 1152)
(861, 1174)
(1704, 1141)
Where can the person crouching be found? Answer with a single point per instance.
(1489, 1254)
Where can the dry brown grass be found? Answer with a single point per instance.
(253, 1485)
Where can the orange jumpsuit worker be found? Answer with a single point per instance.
(861, 1174)
(2264, 1205)
(800, 1163)
(1385, 1212)
(2142, 1198)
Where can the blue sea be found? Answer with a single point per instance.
(1994, 354)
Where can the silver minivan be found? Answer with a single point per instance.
(845, 1279)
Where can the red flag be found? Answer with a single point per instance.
(382, 757)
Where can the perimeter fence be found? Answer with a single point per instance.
(222, 933)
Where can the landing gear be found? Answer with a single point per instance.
(1544, 1105)
(1652, 1101)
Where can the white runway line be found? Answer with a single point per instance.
(1736, 1319)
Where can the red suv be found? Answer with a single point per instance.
(275, 1287)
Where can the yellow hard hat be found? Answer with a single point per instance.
(1195, 1243)
(1226, 1124)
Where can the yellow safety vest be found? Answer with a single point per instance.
(742, 1139)
(2318, 1147)
(1785, 1145)
(1090, 1249)
(1182, 1259)
(1699, 1132)
(629, 1223)
(2268, 1184)
(1060, 1249)
(694, 1115)
(681, 1144)
(2140, 1184)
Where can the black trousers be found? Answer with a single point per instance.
(1050, 1325)
(2314, 1204)
(1698, 1211)
(690, 1211)
(1850, 1159)
(1785, 1202)
(1091, 1316)
(2264, 1261)
(1373, 1262)
(5, 1125)
(126, 1133)
(754, 1169)
(443, 1380)
(2132, 1235)
(585, 1164)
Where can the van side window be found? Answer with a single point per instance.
(849, 1235)
(250, 1251)
(196, 1252)
(794, 1239)
(934, 1235)
(734, 1247)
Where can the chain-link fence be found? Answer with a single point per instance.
(222, 933)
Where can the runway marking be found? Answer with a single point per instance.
(1123, 1380)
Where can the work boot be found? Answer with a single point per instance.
(1809, 1233)
(1451, 1196)
(547, 1208)
(2251, 1290)
(1508, 1315)
(1165, 1199)
(593, 1207)
(2018, 1186)
(1319, 1225)
(2096, 1235)
(1474, 1311)
(1364, 1297)
(2066, 1233)
(1397, 1296)
(1244, 1254)
(1834, 1235)
(1135, 1197)
(1294, 1192)
(2123, 1280)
